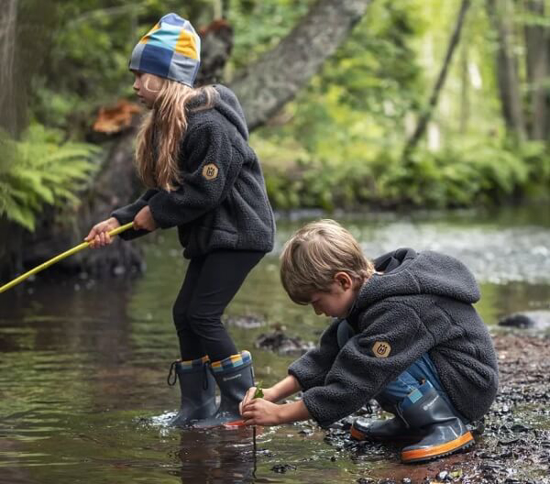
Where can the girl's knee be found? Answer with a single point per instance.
(179, 317)
(202, 323)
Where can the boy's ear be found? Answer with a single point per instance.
(344, 280)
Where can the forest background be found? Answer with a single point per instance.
(424, 103)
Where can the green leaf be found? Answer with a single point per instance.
(259, 393)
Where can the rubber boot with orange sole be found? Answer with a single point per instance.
(444, 432)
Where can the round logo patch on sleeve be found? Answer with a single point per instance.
(210, 171)
(381, 349)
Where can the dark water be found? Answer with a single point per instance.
(83, 363)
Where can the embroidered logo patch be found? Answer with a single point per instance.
(381, 349)
(210, 171)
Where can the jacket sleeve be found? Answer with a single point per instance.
(212, 166)
(126, 214)
(393, 339)
(311, 369)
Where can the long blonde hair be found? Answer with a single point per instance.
(161, 133)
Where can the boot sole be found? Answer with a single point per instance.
(422, 455)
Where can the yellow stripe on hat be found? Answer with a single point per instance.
(145, 38)
(187, 45)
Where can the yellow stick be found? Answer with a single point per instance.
(59, 257)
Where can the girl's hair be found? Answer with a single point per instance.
(161, 133)
(313, 256)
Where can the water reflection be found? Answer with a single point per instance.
(216, 456)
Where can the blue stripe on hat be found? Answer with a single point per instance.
(155, 60)
(173, 19)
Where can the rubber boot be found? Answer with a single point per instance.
(234, 376)
(393, 429)
(445, 433)
(198, 390)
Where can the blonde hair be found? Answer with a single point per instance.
(313, 256)
(161, 133)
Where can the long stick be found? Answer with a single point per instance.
(59, 257)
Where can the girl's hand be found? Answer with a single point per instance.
(99, 235)
(261, 412)
(144, 220)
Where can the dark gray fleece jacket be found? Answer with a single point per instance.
(421, 303)
(222, 201)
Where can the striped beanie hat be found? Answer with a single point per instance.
(171, 49)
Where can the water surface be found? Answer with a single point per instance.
(83, 363)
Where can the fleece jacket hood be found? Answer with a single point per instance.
(404, 272)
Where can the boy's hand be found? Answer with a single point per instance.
(249, 395)
(99, 235)
(259, 411)
(144, 220)
(252, 393)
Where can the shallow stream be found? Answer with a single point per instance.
(83, 363)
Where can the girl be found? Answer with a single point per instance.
(193, 155)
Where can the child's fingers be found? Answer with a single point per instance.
(94, 242)
(248, 395)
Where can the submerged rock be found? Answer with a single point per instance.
(245, 322)
(283, 468)
(279, 342)
(527, 320)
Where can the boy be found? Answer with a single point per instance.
(406, 334)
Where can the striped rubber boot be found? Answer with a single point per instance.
(445, 433)
(234, 376)
(198, 390)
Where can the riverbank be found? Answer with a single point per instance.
(514, 447)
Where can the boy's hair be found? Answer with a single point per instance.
(162, 131)
(313, 256)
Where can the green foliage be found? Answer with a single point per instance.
(39, 170)
(482, 173)
(338, 144)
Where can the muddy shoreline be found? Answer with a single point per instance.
(515, 445)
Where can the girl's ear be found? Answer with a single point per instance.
(344, 280)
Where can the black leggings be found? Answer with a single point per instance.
(210, 284)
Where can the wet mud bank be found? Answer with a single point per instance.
(514, 447)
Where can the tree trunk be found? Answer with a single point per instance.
(8, 36)
(537, 41)
(274, 79)
(464, 90)
(432, 103)
(507, 68)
